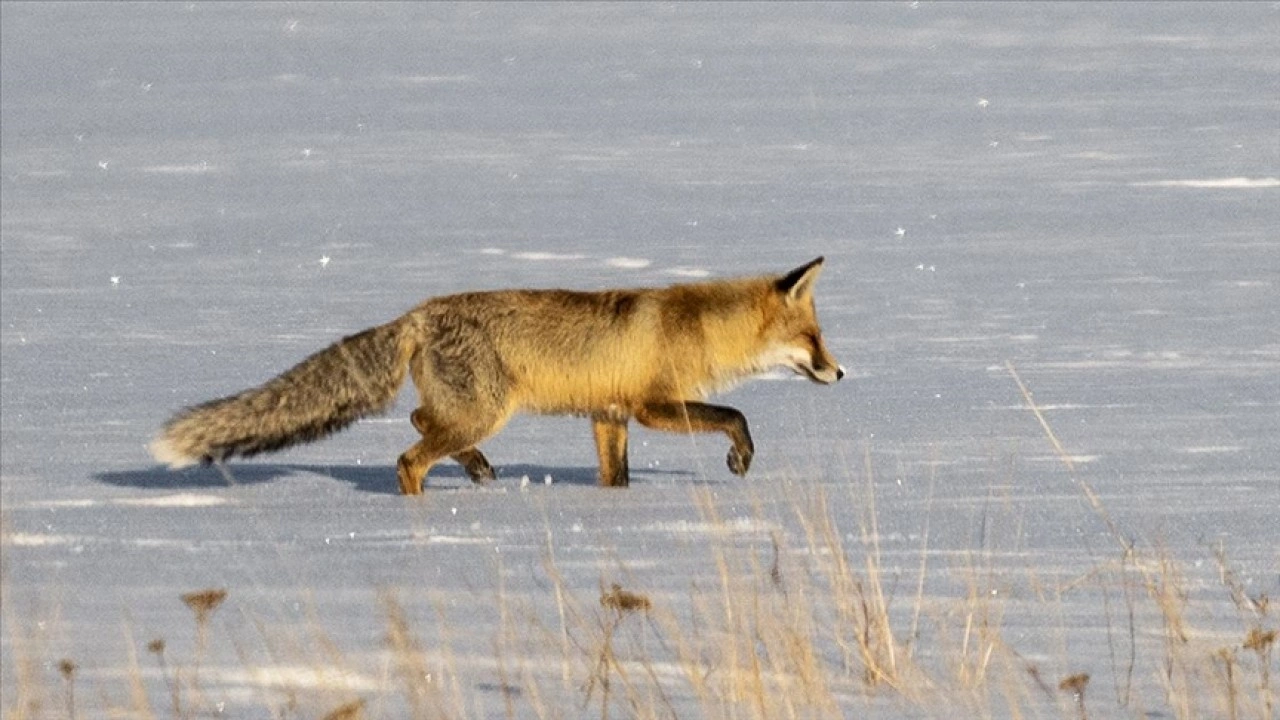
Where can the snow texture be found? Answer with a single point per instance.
(196, 196)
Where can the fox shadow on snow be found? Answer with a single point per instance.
(379, 479)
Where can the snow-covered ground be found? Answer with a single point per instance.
(1084, 199)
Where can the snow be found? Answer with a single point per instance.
(1231, 183)
(193, 197)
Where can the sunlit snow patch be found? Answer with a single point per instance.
(688, 272)
(180, 500)
(736, 526)
(1231, 183)
(190, 500)
(76, 503)
(192, 169)
(292, 677)
(431, 79)
(39, 540)
(1075, 459)
(457, 540)
(628, 263)
(545, 256)
(431, 537)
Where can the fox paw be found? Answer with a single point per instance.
(739, 461)
(482, 476)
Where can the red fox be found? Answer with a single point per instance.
(652, 354)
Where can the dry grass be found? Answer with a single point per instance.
(805, 631)
(806, 624)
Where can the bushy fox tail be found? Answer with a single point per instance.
(356, 376)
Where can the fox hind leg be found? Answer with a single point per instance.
(690, 417)
(476, 465)
(412, 467)
(441, 439)
(472, 460)
(611, 447)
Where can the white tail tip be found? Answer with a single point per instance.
(164, 452)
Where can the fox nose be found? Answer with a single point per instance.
(839, 372)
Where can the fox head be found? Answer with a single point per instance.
(791, 333)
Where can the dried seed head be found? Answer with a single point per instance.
(1075, 683)
(156, 646)
(204, 602)
(353, 710)
(67, 667)
(1259, 641)
(624, 601)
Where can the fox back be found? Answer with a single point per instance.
(559, 351)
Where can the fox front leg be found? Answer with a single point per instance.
(611, 447)
(690, 417)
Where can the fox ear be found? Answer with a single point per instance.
(798, 283)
